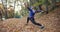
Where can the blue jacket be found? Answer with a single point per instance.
(31, 12)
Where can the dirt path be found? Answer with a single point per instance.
(51, 22)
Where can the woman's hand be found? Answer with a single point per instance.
(26, 5)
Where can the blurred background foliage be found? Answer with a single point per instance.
(16, 9)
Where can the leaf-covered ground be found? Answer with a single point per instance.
(51, 22)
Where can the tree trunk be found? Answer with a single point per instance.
(53, 4)
(14, 7)
(5, 7)
(46, 2)
(0, 14)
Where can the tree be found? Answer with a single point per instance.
(53, 4)
(4, 2)
(0, 13)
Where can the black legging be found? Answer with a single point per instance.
(33, 21)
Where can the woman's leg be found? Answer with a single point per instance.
(33, 21)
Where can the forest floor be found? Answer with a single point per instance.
(51, 22)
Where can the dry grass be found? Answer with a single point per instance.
(51, 22)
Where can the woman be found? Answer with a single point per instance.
(31, 15)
